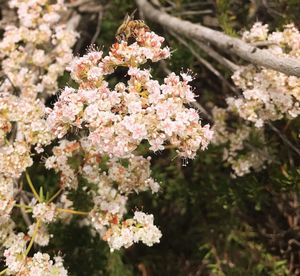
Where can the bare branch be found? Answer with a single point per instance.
(77, 3)
(98, 29)
(200, 12)
(216, 56)
(202, 110)
(250, 53)
(205, 62)
(284, 138)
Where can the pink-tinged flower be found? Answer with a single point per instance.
(138, 131)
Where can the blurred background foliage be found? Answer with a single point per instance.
(212, 224)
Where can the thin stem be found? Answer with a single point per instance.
(72, 211)
(55, 195)
(24, 213)
(32, 187)
(23, 206)
(169, 147)
(203, 61)
(3, 271)
(284, 138)
(33, 237)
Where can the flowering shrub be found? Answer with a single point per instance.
(80, 136)
(100, 129)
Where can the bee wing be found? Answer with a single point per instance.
(132, 14)
(126, 18)
(124, 24)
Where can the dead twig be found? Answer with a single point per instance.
(98, 28)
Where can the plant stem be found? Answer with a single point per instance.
(3, 271)
(33, 237)
(55, 195)
(72, 211)
(23, 206)
(32, 187)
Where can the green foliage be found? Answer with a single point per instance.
(83, 253)
(225, 17)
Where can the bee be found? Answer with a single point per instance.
(129, 28)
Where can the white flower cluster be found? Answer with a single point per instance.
(14, 258)
(111, 186)
(44, 212)
(40, 264)
(114, 122)
(28, 114)
(240, 151)
(42, 237)
(139, 228)
(133, 177)
(34, 51)
(33, 55)
(119, 120)
(268, 95)
(59, 161)
(14, 159)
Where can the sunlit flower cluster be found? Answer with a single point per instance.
(28, 114)
(35, 53)
(14, 159)
(119, 119)
(113, 123)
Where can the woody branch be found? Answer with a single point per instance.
(250, 53)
